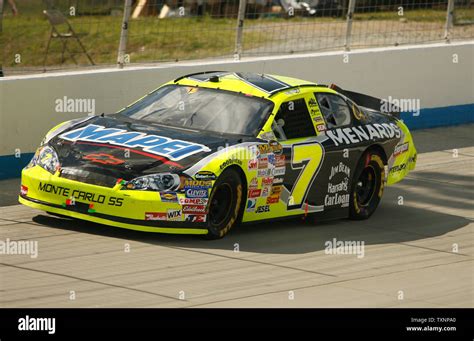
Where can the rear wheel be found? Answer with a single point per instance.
(367, 186)
(225, 204)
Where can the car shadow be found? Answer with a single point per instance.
(419, 217)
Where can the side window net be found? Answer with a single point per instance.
(294, 120)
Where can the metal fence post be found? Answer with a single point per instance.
(2, 51)
(124, 34)
(240, 29)
(449, 20)
(349, 18)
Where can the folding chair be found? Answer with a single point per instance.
(56, 19)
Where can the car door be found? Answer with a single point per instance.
(296, 127)
(341, 155)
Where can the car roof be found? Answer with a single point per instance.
(261, 85)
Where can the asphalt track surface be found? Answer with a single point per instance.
(418, 254)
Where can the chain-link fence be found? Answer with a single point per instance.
(43, 35)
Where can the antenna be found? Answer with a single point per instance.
(263, 69)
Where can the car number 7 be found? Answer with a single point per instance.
(307, 157)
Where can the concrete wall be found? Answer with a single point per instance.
(428, 73)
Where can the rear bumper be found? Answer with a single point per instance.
(136, 210)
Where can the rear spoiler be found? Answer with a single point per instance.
(369, 102)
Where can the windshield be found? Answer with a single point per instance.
(203, 109)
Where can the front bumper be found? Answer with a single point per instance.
(136, 210)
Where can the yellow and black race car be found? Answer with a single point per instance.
(208, 151)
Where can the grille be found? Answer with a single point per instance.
(88, 177)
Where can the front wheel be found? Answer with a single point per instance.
(367, 186)
(225, 204)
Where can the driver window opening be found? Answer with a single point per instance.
(293, 121)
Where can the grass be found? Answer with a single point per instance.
(169, 39)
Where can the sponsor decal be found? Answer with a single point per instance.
(263, 163)
(196, 192)
(274, 196)
(268, 136)
(195, 209)
(318, 119)
(320, 127)
(277, 181)
(23, 190)
(280, 160)
(154, 144)
(80, 195)
(276, 147)
(278, 171)
(262, 209)
(276, 190)
(69, 202)
(398, 168)
(342, 186)
(312, 103)
(271, 159)
(273, 199)
(358, 113)
(362, 133)
(253, 150)
(340, 168)
(265, 191)
(174, 215)
(264, 148)
(252, 164)
(264, 172)
(338, 186)
(193, 201)
(103, 158)
(195, 218)
(198, 184)
(400, 149)
(268, 181)
(253, 183)
(205, 175)
(336, 199)
(251, 204)
(231, 161)
(169, 197)
(254, 193)
(155, 215)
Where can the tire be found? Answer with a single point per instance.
(225, 204)
(367, 186)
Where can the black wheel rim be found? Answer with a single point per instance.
(365, 186)
(221, 205)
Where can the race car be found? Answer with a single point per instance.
(208, 151)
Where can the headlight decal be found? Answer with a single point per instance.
(155, 182)
(47, 158)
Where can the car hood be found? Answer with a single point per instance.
(118, 147)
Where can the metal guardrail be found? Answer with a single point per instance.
(148, 31)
